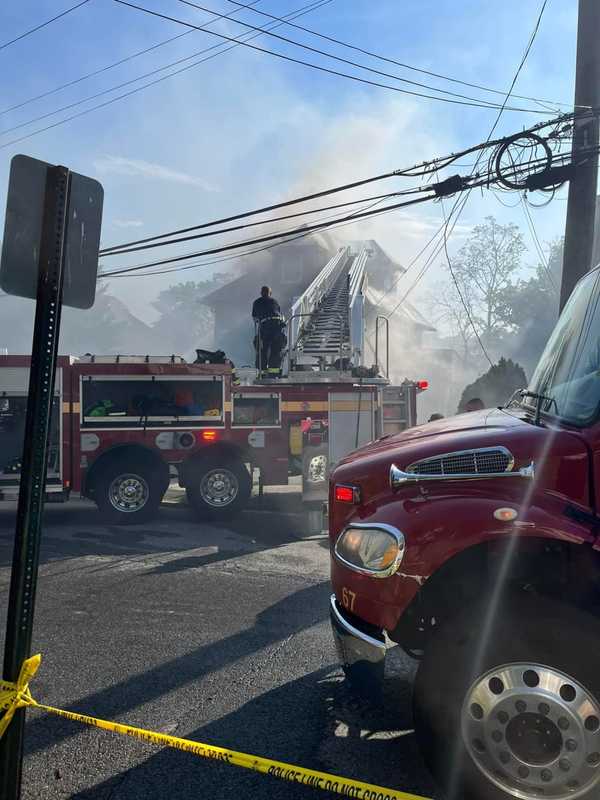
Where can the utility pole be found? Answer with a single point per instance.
(581, 208)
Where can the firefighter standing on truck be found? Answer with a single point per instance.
(269, 339)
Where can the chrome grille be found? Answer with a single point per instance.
(486, 460)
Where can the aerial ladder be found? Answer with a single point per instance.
(326, 325)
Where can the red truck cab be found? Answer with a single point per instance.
(473, 543)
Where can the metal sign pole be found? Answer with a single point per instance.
(33, 474)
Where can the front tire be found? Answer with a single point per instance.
(219, 490)
(516, 715)
(128, 493)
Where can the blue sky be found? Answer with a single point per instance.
(244, 128)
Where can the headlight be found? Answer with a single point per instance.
(371, 549)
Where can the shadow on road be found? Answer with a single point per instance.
(78, 530)
(291, 615)
(313, 722)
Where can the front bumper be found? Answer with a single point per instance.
(362, 654)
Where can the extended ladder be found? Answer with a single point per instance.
(327, 320)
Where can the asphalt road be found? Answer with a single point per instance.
(218, 634)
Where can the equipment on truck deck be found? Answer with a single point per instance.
(123, 425)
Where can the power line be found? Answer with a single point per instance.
(104, 92)
(288, 238)
(43, 24)
(333, 226)
(424, 168)
(293, 15)
(342, 60)
(263, 210)
(270, 237)
(219, 231)
(325, 69)
(123, 61)
(537, 243)
(94, 73)
(380, 57)
(460, 206)
(285, 234)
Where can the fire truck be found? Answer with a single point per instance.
(473, 542)
(124, 426)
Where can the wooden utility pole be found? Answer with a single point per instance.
(581, 208)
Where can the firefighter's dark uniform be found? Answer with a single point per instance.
(270, 334)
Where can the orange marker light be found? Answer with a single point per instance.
(347, 494)
(209, 436)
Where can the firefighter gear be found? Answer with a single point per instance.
(270, 338)
(269, 342)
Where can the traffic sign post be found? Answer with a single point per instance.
(42, 227)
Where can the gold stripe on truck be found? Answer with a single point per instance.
(304, 405)
(351, 405)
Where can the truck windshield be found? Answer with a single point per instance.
(568, 373)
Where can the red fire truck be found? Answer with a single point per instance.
(123, 426)
(474, 542)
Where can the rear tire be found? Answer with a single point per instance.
(128, 493)
(218, 489)
(525, 720)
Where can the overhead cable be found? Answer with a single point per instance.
(219, 48)
(264, 248)
(43, 24)
(342, 60)
(130, 81)
(234, 228)
(410, 67)
(270, 237)
(321, 68)
(459, 206)
(420, 169)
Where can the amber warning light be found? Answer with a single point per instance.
(209, 436)
(347, 494)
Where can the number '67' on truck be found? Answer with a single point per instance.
(473, 542)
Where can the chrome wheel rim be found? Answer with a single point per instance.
(533, 731)
(219, 488)
(128, 493)
(317, 469)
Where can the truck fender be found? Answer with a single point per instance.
(121, 452)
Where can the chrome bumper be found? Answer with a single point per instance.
(362, 654)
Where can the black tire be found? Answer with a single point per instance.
(476, 749)
(218, 489)
(110, 491)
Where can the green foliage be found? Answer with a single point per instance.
(184, 322)
(496, 386)
(484, 268)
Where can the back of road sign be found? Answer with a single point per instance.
(19, 264)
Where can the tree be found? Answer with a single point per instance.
(531, 308)
(484, 270)
(496, 386)
(448, 309)
(184, 322)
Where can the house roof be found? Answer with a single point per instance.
(264, 270)
(386, 305)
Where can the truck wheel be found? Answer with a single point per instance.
(516, 716)
(128, 493)
(219, 490)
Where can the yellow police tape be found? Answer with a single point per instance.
(17, 695)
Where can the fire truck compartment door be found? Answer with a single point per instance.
(14, 389)
(351, 422)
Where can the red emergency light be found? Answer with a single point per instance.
(422, 385)
(347, 494)
(209, 436)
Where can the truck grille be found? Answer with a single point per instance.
(487, 460)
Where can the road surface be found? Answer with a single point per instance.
(219, 634)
